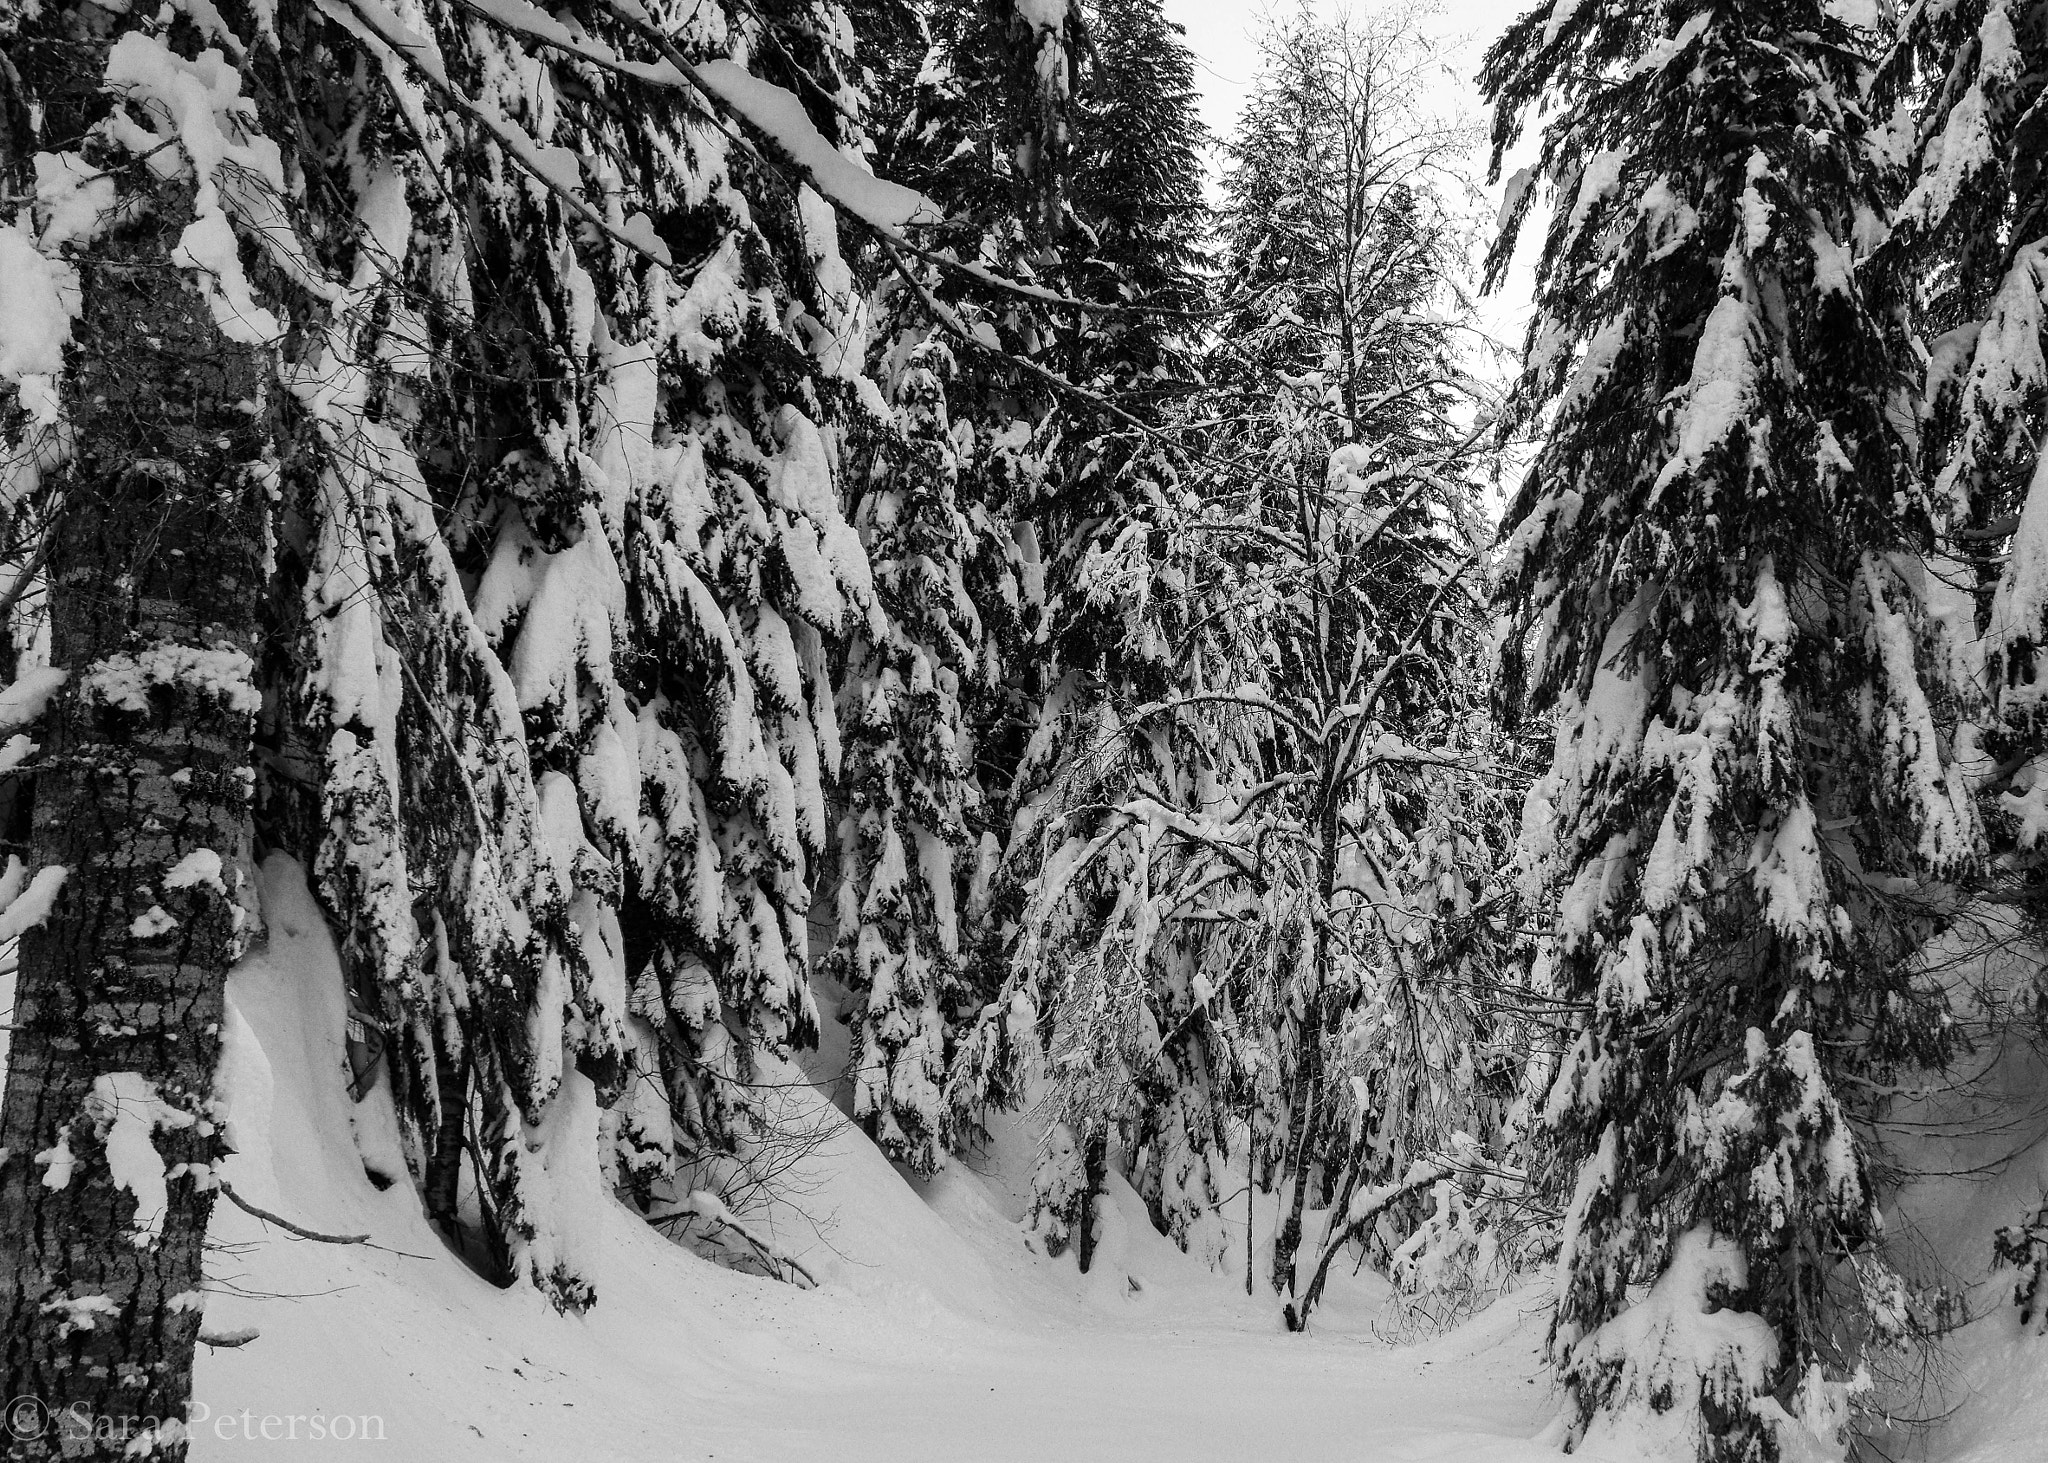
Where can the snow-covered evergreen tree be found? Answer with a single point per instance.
(1139, 213)
(1718, 555)
(905, 836)
(1074, 479)
(1969, 79)
(1138, 249)
(559, 549)
(929, 709)
(592, 706)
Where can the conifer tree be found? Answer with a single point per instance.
(1751, 801)
(1138, 212)
(945, 486)
(1973, 221)
(632, 704)
(1137, 247)
(1112, 491)
(1973, 225)
(1096, 193)
(1069, 482)
(537, 358)
(910, 786)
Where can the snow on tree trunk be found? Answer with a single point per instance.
(143, 778)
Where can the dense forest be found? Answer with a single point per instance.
(733, 539)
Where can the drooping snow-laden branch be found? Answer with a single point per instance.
(874, 205)
(727, 93)
(376, 24)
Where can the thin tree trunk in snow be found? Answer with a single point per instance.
(1094, 1172)
(1288, 1240)
(154, 572)
(1297, 1314)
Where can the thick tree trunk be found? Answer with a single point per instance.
(153, 573)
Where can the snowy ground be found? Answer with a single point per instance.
(936, 1334)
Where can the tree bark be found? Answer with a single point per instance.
(155, 564)
(1094, 1172)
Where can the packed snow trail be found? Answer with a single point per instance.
(935, 1334)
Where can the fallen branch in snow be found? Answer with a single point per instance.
(285, 1224)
